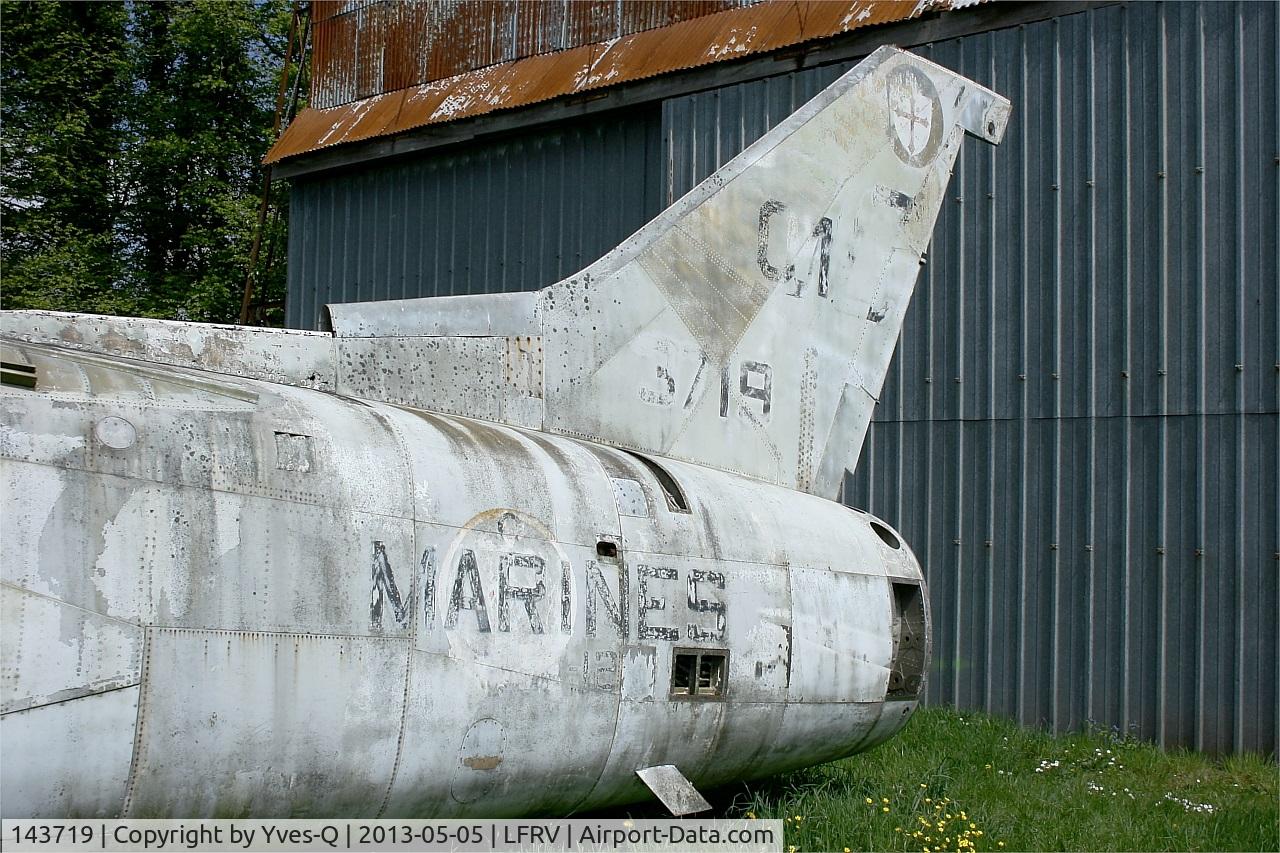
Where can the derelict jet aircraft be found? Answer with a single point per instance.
(518, 554)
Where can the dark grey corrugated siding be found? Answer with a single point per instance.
(502, 215)
(1079, 432)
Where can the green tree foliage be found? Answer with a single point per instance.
(65, 79)
(132, 139)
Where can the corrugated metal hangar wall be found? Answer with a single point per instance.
(1079, 432)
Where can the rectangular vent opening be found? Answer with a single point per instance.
(910, 648)
(15, 373)
(607, 549)
(699, 673)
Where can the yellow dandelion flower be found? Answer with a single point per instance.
(884, 800)
(923, 785)
(799, 818)
(1001, 843)
(884, 809)
(751, 815)
(870, 801)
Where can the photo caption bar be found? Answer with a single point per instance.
(614, 835)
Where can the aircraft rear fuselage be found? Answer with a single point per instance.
(407, 568)
(300, 604)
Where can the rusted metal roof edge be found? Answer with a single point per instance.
(732, 34)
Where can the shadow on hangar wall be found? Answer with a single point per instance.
(1088, 371)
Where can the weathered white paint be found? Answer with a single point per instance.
(268, 685)
(410, 570)
(69, 758)
(277, 355)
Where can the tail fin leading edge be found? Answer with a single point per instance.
(750, 326)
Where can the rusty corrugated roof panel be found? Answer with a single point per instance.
(363, 48)
(529, 80)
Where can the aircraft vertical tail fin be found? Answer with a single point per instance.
(750, 326)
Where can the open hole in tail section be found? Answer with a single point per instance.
(906, 667)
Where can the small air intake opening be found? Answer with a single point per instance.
(886, 535)
(906, 667)
(607, 549)
(676, 500)
(699, 673)
(15, 373)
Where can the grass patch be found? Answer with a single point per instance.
(966, 781)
